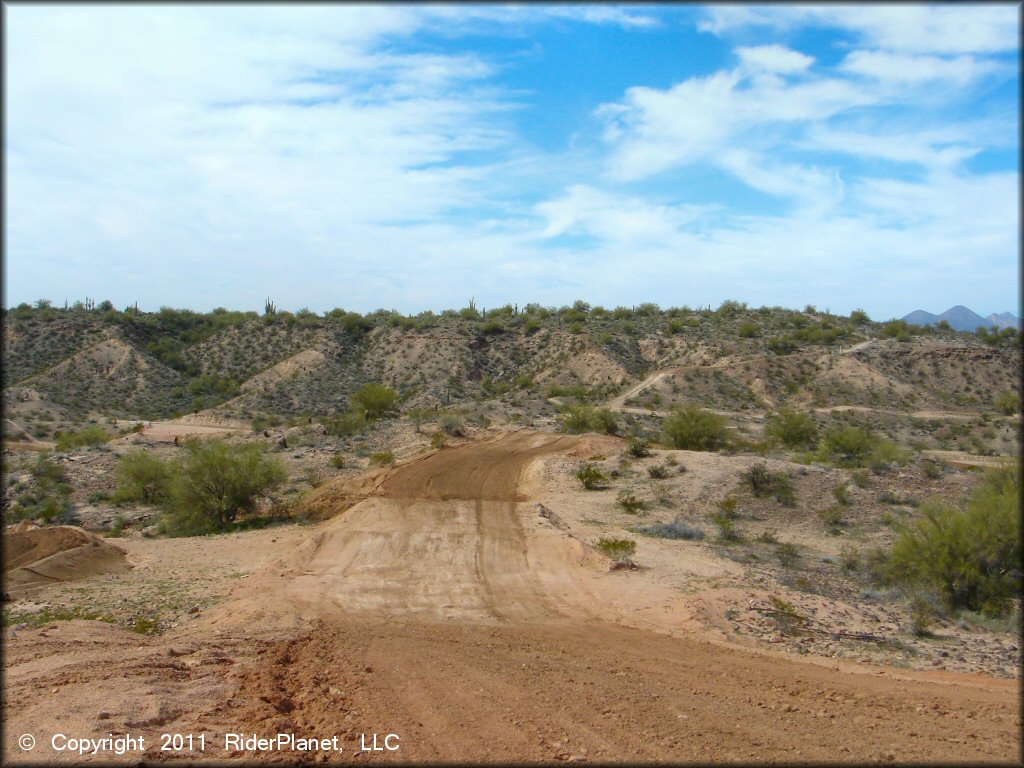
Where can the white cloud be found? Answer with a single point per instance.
(814, 189)
(625, 220)
(904, 69)
(654, 130)
(774, 58)
(917, 28)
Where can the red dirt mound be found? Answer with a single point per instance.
(43, 555)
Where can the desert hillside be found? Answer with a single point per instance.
(74, 364)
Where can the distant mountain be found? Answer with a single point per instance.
(963, 319)
(1004, 320)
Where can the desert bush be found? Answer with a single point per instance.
(117, 527)
(586, 418)
(831, 517)
(787, 552)
(374, 400)
(261, 423)
(793, 429)
(861, 478)
(48, 499)
(769, 537)
(885, 453)
(344, 424)
(856, 447)
(638, 447)
(786, 615)
(144, 477)
(846, 444)
(762, 482)
(748, 330)
(437, 440)
(382, 458)
(451, 425)
(91, 435)
(849, 557)
(932, 469)
(695, 429)
(591, 476)
(842, 494)
(724, 519)
(338, 461)
(214, 483)
(621, 550)
(631, 504)
(971, 556)
(658, 472)
(922, 611)
(677, 529)
(1008, 402)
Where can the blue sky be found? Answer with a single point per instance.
(413, 157)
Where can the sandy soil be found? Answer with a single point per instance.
(166, 431)
(445, 608)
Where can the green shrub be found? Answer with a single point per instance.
(861, 478)
(932, 469)
(794, 429)
(658, 472)
(214, 483)
(764, 483)
(748, 330)
(451, 425)
(382, 458)
(374, 400)
(842, 494)
(638, 447)
(117, 527)
(591, 476)
(970, 557)
(261, 423)
(922, 613)
(849, 557)
(832, 517)
(344, 424)
(620, 550)
(437, 440)
(143, 477)
(48, 499)
(786, 616)
(93, 434)
(788, 553)
(338, 461)
(1008, 402)
(847, 445)
(695, 429)
(631, 504)
(586, 418)
(724, 519)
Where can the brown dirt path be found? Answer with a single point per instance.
(441, 610)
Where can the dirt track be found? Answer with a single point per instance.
(444, 609)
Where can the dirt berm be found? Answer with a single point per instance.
(37, 556)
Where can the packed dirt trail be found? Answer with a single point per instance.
(439, 606)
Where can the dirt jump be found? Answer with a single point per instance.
(438, 607)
